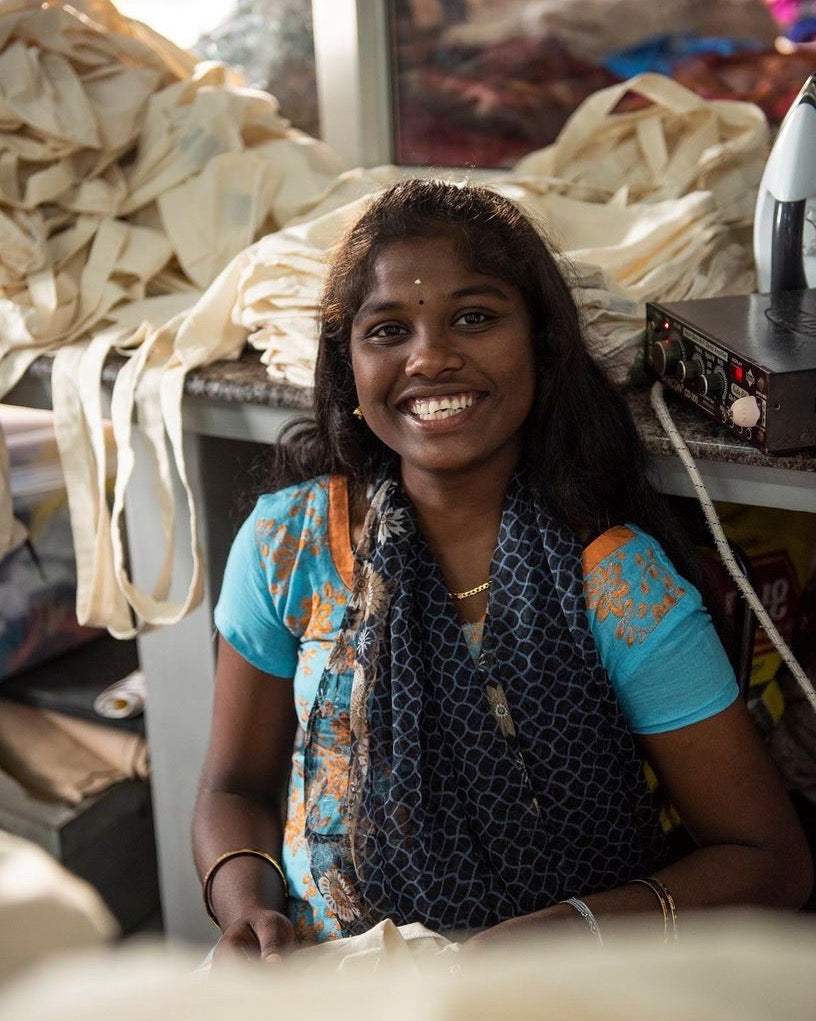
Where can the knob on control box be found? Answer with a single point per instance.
(752, 348)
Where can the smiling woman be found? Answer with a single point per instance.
(444, 370)
(451, 629)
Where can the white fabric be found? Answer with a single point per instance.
(748, 965)
(44, 909)
(125, 750)
(675, 143)
(410, 946)
(123, 699)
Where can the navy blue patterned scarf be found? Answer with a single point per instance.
(477, 791)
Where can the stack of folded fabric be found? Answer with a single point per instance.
(651, 203)
(55, 757)
(127, 170)
(130, 176)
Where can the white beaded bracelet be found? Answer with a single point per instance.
(584, 911)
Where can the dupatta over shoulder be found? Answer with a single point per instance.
(477, 791)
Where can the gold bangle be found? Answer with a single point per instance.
(667, 905)
(670, 901)
(222, 860)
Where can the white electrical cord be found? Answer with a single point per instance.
(721, 542)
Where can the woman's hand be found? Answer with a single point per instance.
(262, 935)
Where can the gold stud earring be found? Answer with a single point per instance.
(358, 412)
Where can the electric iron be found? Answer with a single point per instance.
(785, 213)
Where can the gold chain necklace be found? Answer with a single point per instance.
(471, 591)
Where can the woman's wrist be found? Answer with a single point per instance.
(243, 881)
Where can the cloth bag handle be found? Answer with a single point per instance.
(593, 114)
(594, 130)
(153, 383)
(106, 595)
(149, 387)
(79, 428)
(12, 531)
(149, 384)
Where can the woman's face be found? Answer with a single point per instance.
(443, 360)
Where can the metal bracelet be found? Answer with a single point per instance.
(241, 852)
(667, 905)
(584, 911)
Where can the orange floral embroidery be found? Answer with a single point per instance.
(303, 708)
(309, 930)
(280, 547)
(307, 927)
(315, 620)
(320, 820)
(606, 589)
(309, 888)
(608, 593)
(305, 656)
(341, 731)
(342, 657)
(293, 834)
(332, 779)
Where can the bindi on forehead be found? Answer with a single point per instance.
(397, 279)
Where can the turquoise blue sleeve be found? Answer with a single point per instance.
(250, 612)
(656, 640)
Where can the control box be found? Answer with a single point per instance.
(758, 349)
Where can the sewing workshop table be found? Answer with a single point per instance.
(230, 408)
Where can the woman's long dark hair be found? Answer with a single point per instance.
(581, 449)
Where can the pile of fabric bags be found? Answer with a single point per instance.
(129, 177)
(158, 208)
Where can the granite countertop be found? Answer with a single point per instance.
(246, 381)
(706, 439)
